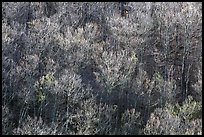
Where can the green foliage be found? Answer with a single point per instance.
(40, 96)
(176, 119)
(47, 79)
(44, 83)
(158, 77)
(189, 110)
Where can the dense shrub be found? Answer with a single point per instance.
(86, 68)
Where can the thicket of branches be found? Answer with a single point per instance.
(82, 68)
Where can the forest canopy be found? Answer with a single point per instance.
(102, 68)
